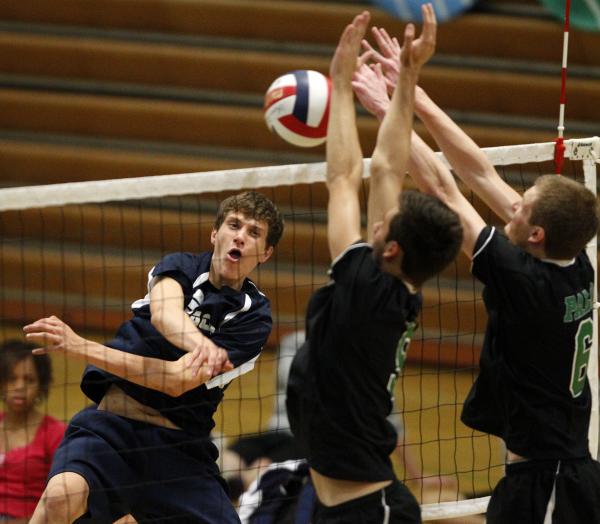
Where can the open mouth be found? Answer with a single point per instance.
(234, 254)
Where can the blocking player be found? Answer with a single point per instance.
(145, 448)
(341, 382)
(532, 390)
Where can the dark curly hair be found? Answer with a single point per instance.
(14, 351)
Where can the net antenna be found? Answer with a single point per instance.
(559, 149)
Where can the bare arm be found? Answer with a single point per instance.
(434, 178)
(390, 158)
(344, 155)
(466, 158)
(171, 377)
(170, 319)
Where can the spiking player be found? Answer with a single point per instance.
(341, 383)
(145, 449)
(532, 390)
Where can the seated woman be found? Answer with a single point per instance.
(28, 437)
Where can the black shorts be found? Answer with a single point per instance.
(566, 490)
(393, 505)
(154, 473)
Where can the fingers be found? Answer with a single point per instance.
(209, 360)
(199, 355)
(388, 45)
(428, 33)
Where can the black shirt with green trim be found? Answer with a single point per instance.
(532, 390)
(342, 379)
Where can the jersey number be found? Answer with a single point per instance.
(401, 350)
(583, 344)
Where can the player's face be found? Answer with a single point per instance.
(518, 230)
(22, 388)
(240, 244)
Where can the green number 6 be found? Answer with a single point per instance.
(583, 344)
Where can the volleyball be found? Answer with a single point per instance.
(296, 107)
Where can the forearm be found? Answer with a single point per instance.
(464, 155)
(390, 157)
(168, 316)
(428, 172)
(468, 161)
(344, 154)
(177, 327)
(148, 372)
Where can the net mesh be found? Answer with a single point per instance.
(83, 251)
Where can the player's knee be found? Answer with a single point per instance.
(65, 497)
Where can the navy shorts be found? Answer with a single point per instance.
(568, 491)
(393, 505)
(156, 474)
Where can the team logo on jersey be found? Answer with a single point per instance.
(579, 305)
(202, 321)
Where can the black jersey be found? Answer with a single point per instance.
(532, 389)
(237, 321)
(342, 379)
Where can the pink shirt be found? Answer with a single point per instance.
(24, 471)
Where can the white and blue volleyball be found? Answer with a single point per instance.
(410, 10)
(297, 107)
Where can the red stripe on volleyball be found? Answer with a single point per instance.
(275, 95)
(300, 128)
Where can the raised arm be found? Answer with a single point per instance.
(344, 155)
(390, 158)
(466, 158)
(171, 377)
(434, 178)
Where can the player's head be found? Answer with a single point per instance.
(556, 218)
(418, 240)
(24, 378)
(247, 228)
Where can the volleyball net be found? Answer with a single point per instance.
(82, 251)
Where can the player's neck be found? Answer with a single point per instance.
(218, 281)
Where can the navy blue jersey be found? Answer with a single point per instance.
(342, 379)
(237, 321)
(532, 389)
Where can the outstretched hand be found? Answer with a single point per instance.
(53, 335)
(415, 53)
(345, 58)
(370, 87)
(391, 56)
(388, 56)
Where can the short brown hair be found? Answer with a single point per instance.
(257, 206)
(568, 212)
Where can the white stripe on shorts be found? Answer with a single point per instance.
(386, 508)
(552, 501)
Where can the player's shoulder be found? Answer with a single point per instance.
(356, 250)
(258, 298)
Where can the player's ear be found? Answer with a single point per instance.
(537, 235)
(266, 255)
(213, 236)
(391, 250)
